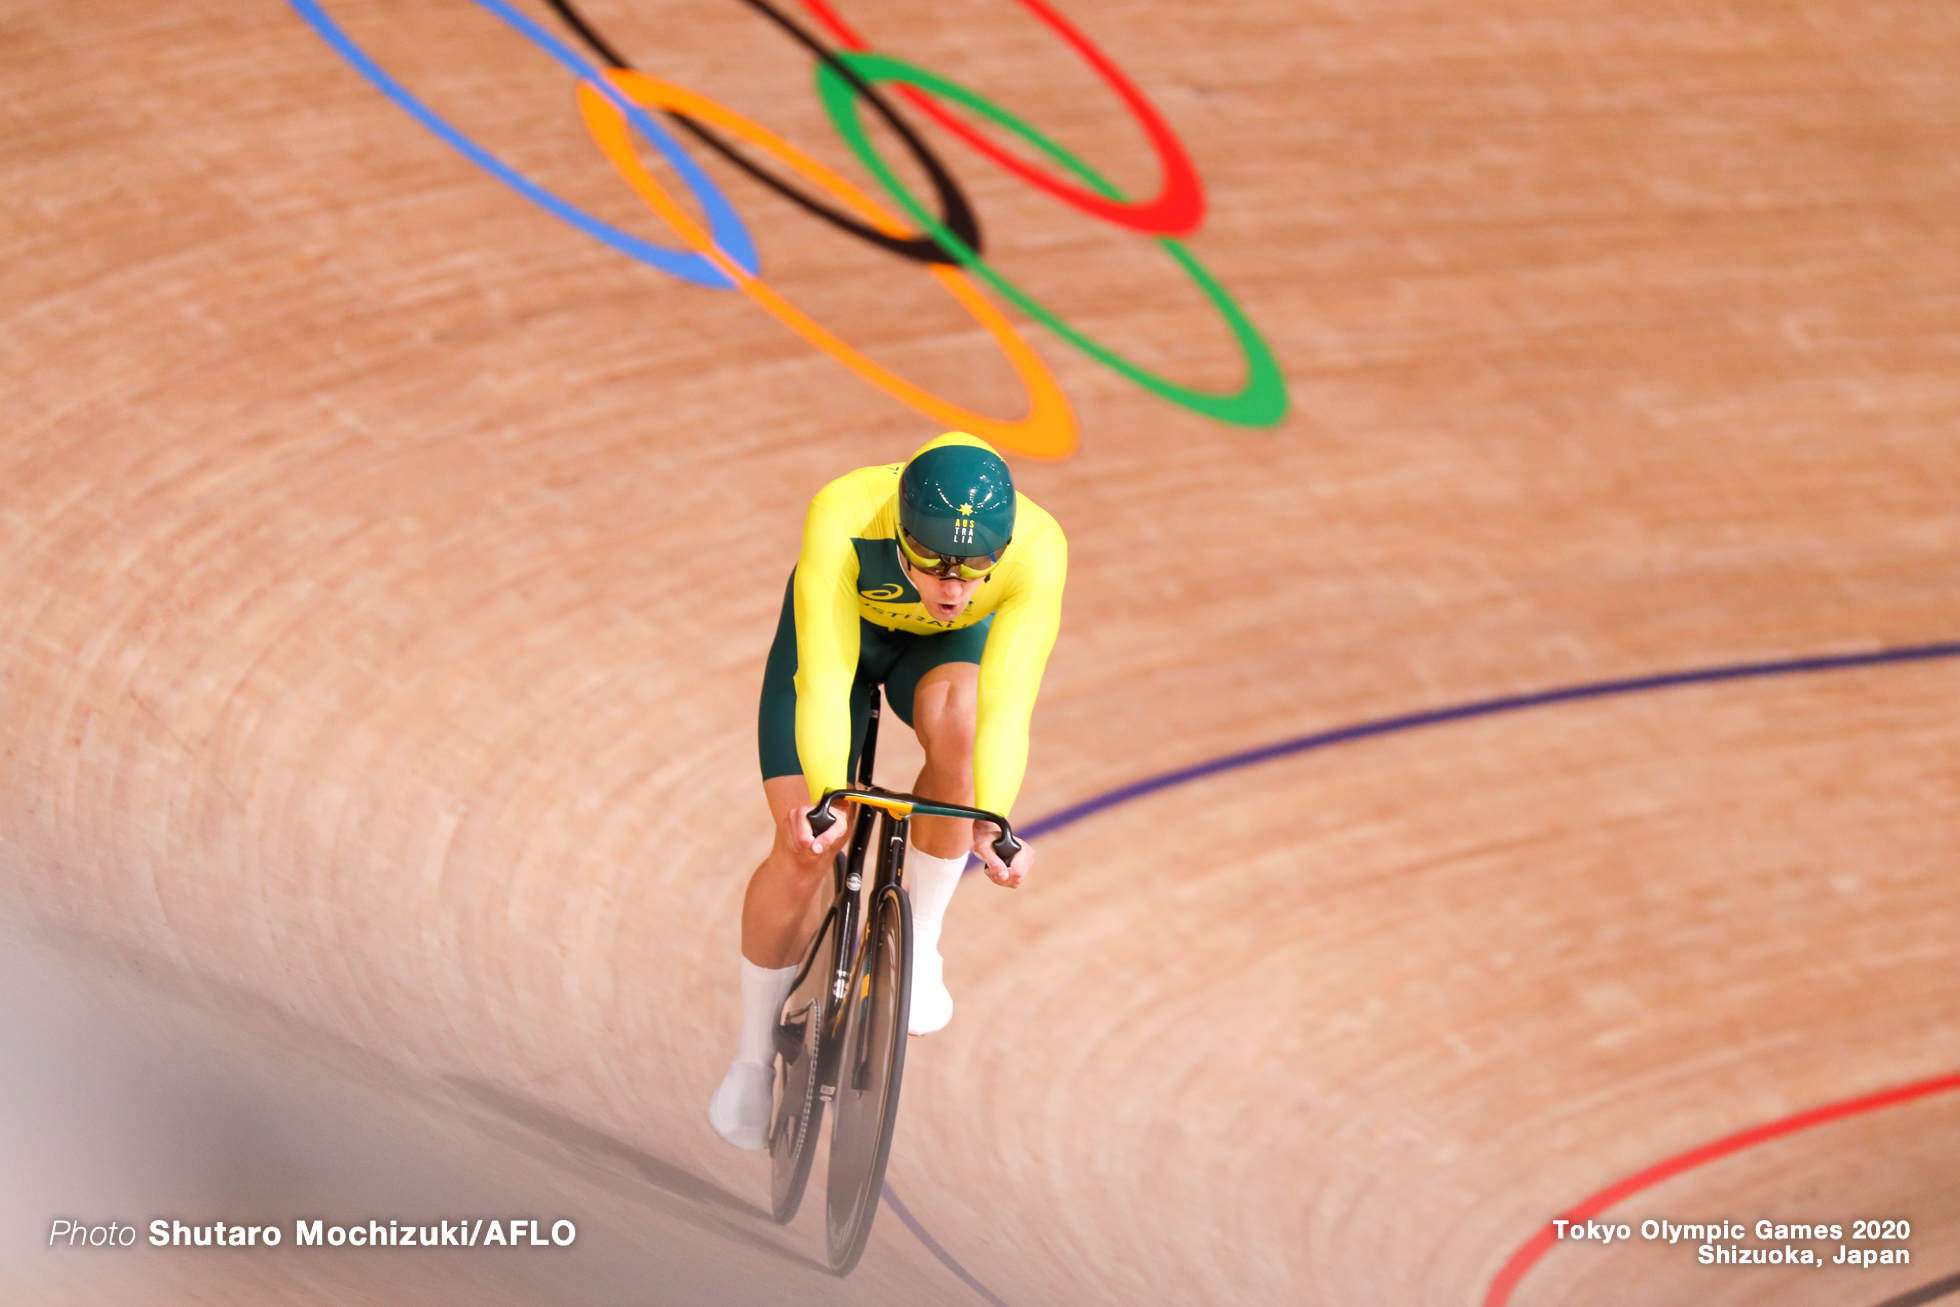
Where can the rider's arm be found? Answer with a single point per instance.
(826, 647)
(1010, 670)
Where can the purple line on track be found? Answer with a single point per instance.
(1479, 708)
(946, 1259)
(1115, 798)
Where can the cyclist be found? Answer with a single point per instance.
(934, 579)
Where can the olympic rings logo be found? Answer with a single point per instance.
(614, 98)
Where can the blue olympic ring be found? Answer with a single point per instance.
(731, 234)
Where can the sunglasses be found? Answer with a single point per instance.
(946, 567)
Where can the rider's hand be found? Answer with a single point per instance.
(1008, 875)
(807, 843)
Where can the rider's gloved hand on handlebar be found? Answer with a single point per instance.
(1001, 873)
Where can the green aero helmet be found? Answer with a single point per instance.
(958, 501)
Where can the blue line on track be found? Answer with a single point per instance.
(1068, 816)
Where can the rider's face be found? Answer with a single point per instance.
(944, 597)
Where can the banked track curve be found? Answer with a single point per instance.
(1534, 1248)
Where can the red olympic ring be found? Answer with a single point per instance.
(1175, 210)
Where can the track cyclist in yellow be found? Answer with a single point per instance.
(935, 580)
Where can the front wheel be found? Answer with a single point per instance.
(872, 1064)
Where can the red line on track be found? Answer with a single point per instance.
(1528, 1256)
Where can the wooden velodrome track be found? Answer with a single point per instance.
(389, 568)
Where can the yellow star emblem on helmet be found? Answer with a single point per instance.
(966, 510)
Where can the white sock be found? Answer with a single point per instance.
(931, 882)
(763, 992)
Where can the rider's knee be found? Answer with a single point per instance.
(951, 757)
(946, 732)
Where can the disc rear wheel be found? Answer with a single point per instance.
(799, 1111)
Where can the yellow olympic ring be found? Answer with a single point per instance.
(1049, 429)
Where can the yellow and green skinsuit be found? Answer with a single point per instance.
(849, 570)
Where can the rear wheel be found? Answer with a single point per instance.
(799, 1039)
(873, 1062)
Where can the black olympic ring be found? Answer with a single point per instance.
(955, 212)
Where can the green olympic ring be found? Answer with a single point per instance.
(1261, 402)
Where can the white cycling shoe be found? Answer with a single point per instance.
(932, 1003)
(740, 1109)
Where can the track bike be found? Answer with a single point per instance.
(840, 1038)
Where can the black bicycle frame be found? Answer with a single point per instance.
(887, 817)
(847, 905)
